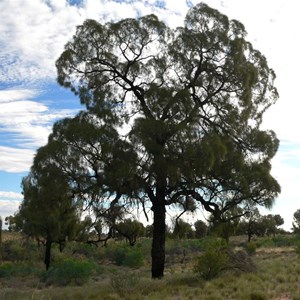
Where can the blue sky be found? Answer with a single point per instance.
(34, 32)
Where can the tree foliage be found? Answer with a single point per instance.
(131, 230)
(253, 223)
(173, 118)
(201, 229)
(296, 221)
(48, 210)
(182, 230)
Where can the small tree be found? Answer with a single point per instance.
(227, 225)
(182, 230)
(48, 209)
(253, 223)
(250, 222)
(201, 229)
(131, 230)
(271, 223)
(296, 222)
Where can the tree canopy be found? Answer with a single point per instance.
(172, 117)
(48, 210)
(296, 221)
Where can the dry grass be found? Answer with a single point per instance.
(11, 236)
(278, 250)
(277, 278)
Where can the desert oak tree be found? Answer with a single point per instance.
(192, 100)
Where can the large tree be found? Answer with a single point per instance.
(186, 103)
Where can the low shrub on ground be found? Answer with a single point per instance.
(69, 271)
(133, 258)
(124, 284)
(126, 256)
(84, 249)
(213, 261)
(258, 296)
(21, 250)
(13, 251)
(251, 248)
(9, 269)
(240, 261)
(218, 257)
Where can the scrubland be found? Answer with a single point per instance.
(267, 268)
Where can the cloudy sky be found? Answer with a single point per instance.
(34, 32)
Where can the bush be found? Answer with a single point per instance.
(6, 270)
(297, 248)
(9, 269)
(124, 284)
(69, 271)
(133, 259)
(213, 261)
(126, 256)
(284, 241)
(258, 296)
(117, 255)
(241, 261)
(251, 248)
(13, 251)
(84, 249)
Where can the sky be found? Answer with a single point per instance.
(33, 34)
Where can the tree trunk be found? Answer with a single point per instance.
(249, 237)
(158, 241)
(249, 233)
(48, 253)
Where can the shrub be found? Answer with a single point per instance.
(126, 256)
(283, 241)
(117, 255)
(6, 269)
(13, 251)
(251, 248)
(69, 271)
(133, 258)
(241, 261)
(84, 249)
(9, 269)
(213, 261)
(124, 284)
(297, 248)
(258, 296)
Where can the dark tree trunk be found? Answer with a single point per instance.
(249, 237)
(48, 253)
(158, 241)
(249, 232)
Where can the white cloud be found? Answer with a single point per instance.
(24, 125)
(28, 122)
(9, 203)
(14, 95)
(15, 160)
(33, 35)
(10, 195)
(34, 32)
(8, 207)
